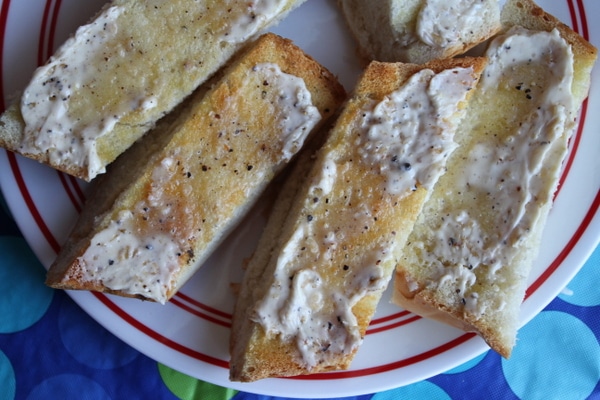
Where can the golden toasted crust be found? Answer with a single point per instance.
(224, 144)
(140, 62)
(355, 193)
(418, 287)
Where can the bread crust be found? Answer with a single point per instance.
(226, 141)
(256, 354)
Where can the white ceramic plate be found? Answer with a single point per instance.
(190, 333)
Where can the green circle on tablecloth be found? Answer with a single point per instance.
(564, 358)
(21, 277)
(187, 388)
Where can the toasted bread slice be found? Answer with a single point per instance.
(418, 31)
(111, 81)
(331, 244)
(468, 258)
(166, 203)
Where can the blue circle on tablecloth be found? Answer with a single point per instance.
(67, 387)
(583, 290)
(21, 277)
(84, 341)
(468, 365)
(565, 358)
(419, 390)
(7, 377)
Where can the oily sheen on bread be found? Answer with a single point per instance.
(116, 76)
(332, 240)
(470, 253)
(167, 202)
(418, 31)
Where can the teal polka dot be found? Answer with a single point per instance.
(468, 365)
(565, 358)
(68, 387)
(84, 340)
(420, 390)
(21, 277)
(7, 378)
(583, 289)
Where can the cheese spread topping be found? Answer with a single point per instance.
(301, 306)
(114, 251)
(294, 104)
(139, 251)
(409, 134)
(508, 172)
(444, 23)
(46, 102)
(326, 179)
(247, 24)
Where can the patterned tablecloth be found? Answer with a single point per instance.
(51, 349)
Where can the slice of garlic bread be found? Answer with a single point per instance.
(469, 256)
(332, 241)
(166, 203)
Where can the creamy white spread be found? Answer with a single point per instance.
(49, 125)
(122, 259)
(409, 135)
(248, 23)
(444, 23)
(294, 104)
(133, 255)
(301, 306)
(509, 172)
(326, 178)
